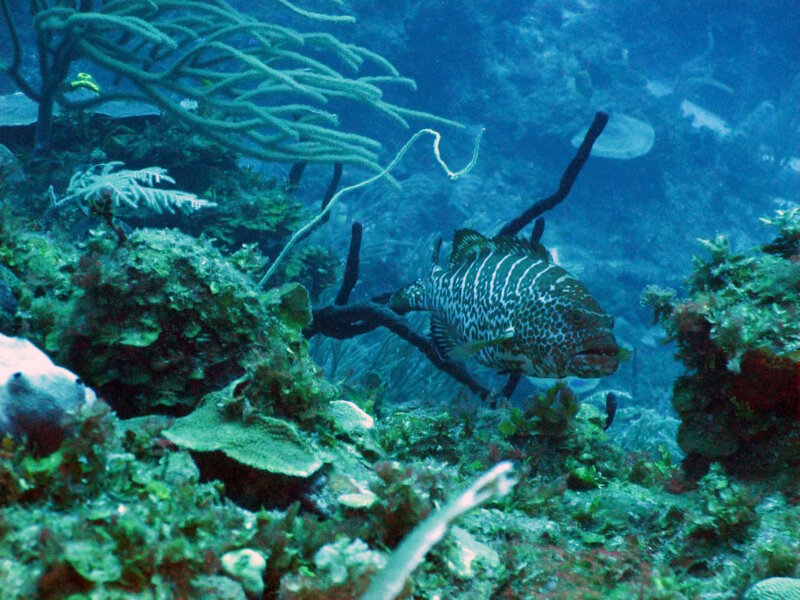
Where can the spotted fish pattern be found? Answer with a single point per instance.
(505, 302)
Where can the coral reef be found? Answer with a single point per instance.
(774, 588)
(270, 478)
(94, 518)
(119, 510)
(738, 333)
(160, 320)
(108, 182)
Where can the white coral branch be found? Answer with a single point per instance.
(388, 583)
(128, 187)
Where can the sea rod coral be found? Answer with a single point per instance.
(258, 88)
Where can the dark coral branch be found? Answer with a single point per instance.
(295, 174)
(332, 187)
(541, 206)
(326, 198)
(538, 230)
(344, 322)
(13, 69)
(351, 267)
(511, 385)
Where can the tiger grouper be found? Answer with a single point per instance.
(506, 303)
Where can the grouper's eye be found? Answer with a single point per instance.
(576, 318)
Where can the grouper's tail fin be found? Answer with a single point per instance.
(407, 298)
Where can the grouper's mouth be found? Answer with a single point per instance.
(596, 358)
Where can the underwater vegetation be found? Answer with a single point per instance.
(273, 482)
(131, 318)
(738, 333)
(276, 482)
(203, 453)
(256, 88)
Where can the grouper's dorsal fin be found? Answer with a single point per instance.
(513, 245)
(437, 246)
(468, 244)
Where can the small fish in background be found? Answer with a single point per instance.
(506, 303)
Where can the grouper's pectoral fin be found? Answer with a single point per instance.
(450, 345)
(443, 335)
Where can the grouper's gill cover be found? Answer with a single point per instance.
(506, 303)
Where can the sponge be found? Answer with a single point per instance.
(37, 398)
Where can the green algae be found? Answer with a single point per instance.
(738, 334)
(774, 588)
(98, 520)
(639, 528)
(159, 321)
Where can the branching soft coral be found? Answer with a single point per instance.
(260, 89)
